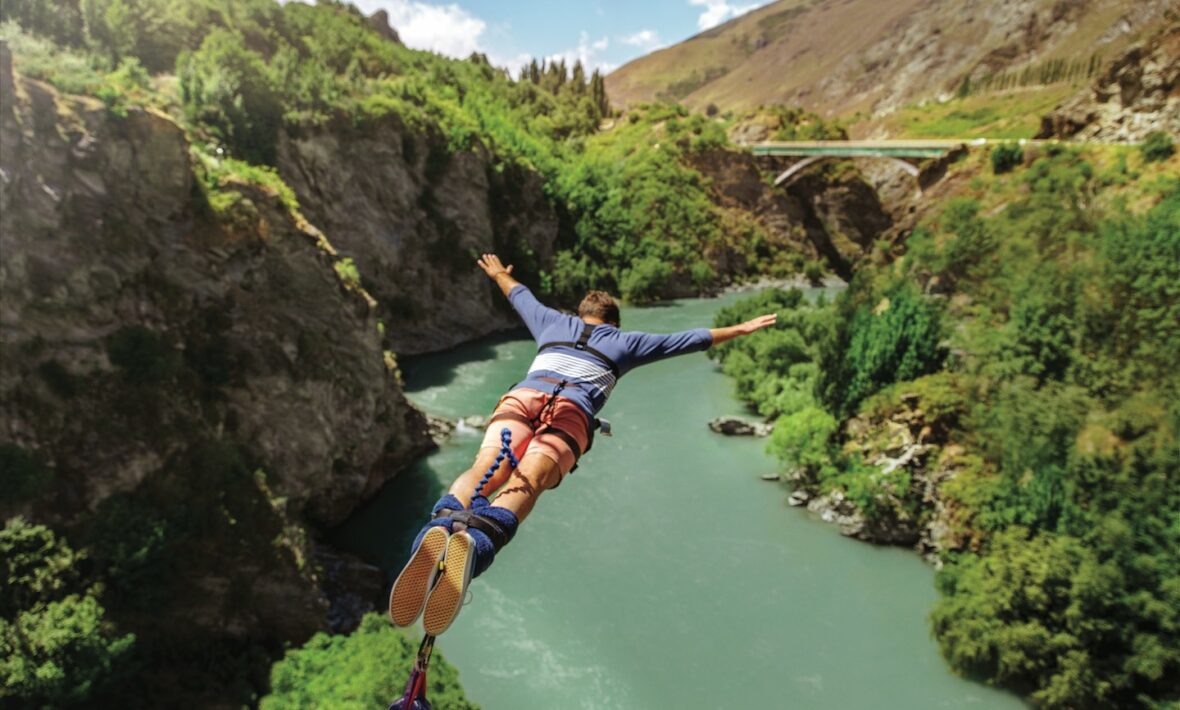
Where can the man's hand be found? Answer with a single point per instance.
(720, 335)
(496, 271)
(758, 323)
(490, 263)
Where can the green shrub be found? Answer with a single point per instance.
(1006, 156)
(1157, 146)
(895, 338)
(365, 669)
(56, 645)
(804, 439)
(227, 87)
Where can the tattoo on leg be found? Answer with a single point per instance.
(525, 486)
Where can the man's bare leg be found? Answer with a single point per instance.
(536, 474)
(464, 486)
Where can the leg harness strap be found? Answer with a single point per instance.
(489, 527)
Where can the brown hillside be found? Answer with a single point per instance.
(837, 57)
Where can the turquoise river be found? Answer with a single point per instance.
(664, 573)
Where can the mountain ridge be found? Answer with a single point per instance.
(844, 57)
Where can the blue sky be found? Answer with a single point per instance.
(602, 33)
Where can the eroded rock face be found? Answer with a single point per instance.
(415, 216)
(210, 374)
(1139, 92)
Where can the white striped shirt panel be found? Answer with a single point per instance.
(576, 368)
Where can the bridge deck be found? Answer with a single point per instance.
(851, 149)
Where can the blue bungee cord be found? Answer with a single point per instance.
(505, 452)
(414, 697)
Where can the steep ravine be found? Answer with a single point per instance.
(201, 385)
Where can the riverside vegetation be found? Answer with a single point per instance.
(1032, 327)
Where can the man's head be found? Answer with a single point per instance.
(600, 305)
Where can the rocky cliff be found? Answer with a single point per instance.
(185, 380)
(1137, 93)
(415, 215)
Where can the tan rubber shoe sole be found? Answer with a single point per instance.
(447, 596)
(408, 595)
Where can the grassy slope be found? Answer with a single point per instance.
(837, 59)
(996, 114)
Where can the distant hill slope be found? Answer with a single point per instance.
(838, 57)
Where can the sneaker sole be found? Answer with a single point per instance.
(408, 595)
(447, 596)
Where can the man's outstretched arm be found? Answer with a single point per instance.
(496, 271)
(720, 335)
(536, 315)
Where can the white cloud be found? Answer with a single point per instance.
(513, 64)
(718, 11)
(644, 39)
(587, 52)
(446, 29)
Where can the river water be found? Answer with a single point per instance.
(664, 573)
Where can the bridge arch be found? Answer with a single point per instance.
(910, 169)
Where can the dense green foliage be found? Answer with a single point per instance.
(365, 669)
(1006, 156)
(1062, 312)
(56, 644)
(1157, 145)
(896, 338)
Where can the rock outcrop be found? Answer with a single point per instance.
(735, 426)
(1138, 93)
(192, 378)
(907, 436)
(415, 215)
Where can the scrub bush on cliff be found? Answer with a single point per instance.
(56, 645)
(227, 88)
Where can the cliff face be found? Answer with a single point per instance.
(415, 216)
(187, 381)
(1139, 92)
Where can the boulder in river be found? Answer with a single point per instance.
(735, 426)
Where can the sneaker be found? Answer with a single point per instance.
(408, 595)
(447, 596)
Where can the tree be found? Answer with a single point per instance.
(56, 645)
(366, 669)
(228, 88)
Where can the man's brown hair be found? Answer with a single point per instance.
(599, 304)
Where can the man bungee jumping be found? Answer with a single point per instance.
(551, 417)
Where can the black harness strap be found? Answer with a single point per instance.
(471, 519)
(583, 345)
(548, 429)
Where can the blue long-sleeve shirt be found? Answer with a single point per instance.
(591, 380)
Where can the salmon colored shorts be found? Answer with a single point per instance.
(564, 415)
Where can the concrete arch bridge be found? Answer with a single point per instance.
(904, 153)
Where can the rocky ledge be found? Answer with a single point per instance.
(735, 426)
